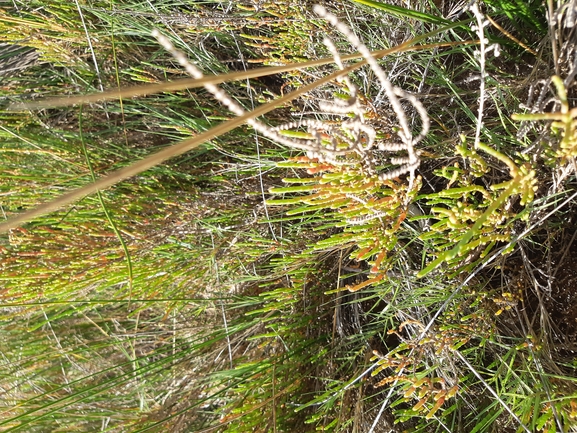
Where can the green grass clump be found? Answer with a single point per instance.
(332, 271)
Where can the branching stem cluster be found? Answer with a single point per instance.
(349, 141)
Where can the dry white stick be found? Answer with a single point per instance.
(393, 94)
(481, 54)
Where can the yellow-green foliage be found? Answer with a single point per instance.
(369, 210)
(418, 383)
(279, 43)
(564, 123)
(473, 218)
(43, 29)
(565, 409)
